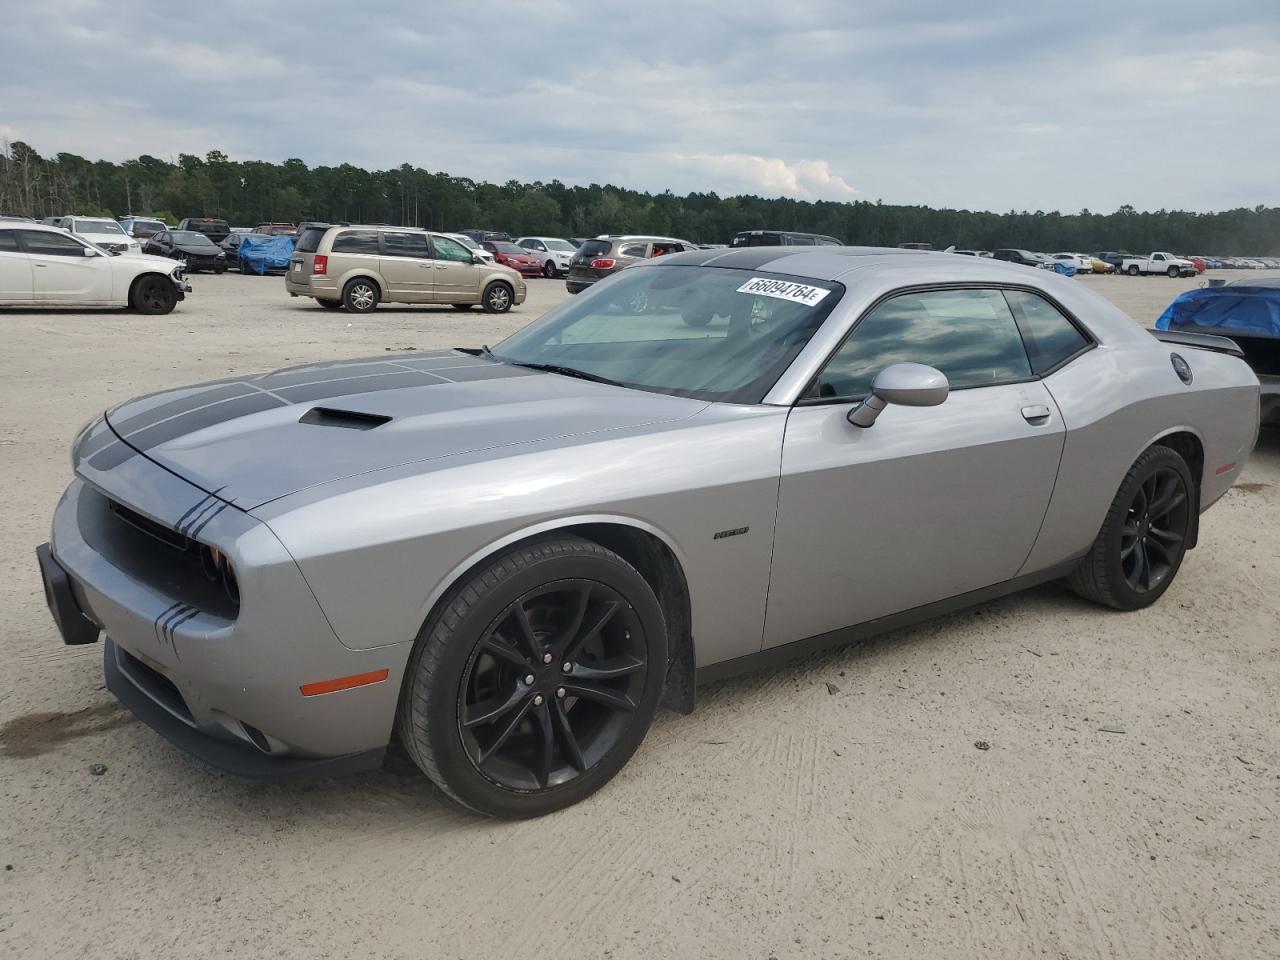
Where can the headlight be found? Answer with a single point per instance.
(217, 568)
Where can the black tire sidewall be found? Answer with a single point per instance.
(346, 295)
(1126, 597)
(484, 297)
(171, 298)
(458, 641)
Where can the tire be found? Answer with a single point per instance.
(463, 307)
(360, 295)
(1136, 556)
(330, 304)
(564, 612)
(497, 297)
(549, 270)
(153, 296)
(1173, 272)
(1133, 270)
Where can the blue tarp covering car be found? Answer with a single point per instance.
(1064, 268)
(263, 254)
(1244, 308)
(1246, 311)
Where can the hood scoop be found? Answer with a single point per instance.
(349, 419)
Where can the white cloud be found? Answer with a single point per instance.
(803, 179)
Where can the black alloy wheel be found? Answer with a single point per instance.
(551, 686)
(1145, 535)
(535, 678)
(1154, 534)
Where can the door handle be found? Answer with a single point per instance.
(1036, 413)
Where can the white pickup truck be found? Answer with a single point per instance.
(1165, 263)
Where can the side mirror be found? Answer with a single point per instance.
(90, 252)
(906, 384)
(476, 258)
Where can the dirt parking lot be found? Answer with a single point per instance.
(785, 818)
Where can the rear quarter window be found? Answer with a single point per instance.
(1050, 338)
(309, 241)
(356, 241)
(594, 248)
(633, 250)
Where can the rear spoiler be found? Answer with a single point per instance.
(1202, 341)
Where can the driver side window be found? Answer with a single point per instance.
(447, 249)
(970, 335)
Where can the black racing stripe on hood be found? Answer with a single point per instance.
(231, 400)
(497, 371)
(350, 386)
(112, 456)
(199, 419)
(164, 411)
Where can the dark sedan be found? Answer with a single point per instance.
(231, 247)
(196, 249)
(515, 257)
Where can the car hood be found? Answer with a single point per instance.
(253, 440)
(145, 258)
(194, 251)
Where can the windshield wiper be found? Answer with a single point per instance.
(566, 372)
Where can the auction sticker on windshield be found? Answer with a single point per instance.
(784, 290)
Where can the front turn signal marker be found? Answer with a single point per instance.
(343, 683)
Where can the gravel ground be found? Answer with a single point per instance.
(779, 820)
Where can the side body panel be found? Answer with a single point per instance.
(71, 279)
(15, 277)
(928, 503)
(414, 532)
(1117, 401)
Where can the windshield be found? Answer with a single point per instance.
(192, 239)
(96, 226)
(508, 248)
(561, 245)
(701, 332)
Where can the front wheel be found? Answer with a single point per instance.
(536, 678)
(154, 296)
(549, 270)
(360, 295)
(497, 297)
(1172, 271)
(1144, 537)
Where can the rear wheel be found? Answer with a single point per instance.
(497, 297)
(154, 296)
(1144, 537)
(360, 295)
(1133, 270)
(536, 678)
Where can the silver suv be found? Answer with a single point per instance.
(358, 267)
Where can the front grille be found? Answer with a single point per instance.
(173, 564)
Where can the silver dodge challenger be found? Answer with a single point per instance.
(510, 557)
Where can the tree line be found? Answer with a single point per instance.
(254, 191)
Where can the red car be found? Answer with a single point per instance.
(517, 258)
(1200, 265)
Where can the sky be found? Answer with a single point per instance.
(993, 106)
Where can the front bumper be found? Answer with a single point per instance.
(223, 686)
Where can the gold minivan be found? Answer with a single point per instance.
(358, 267)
